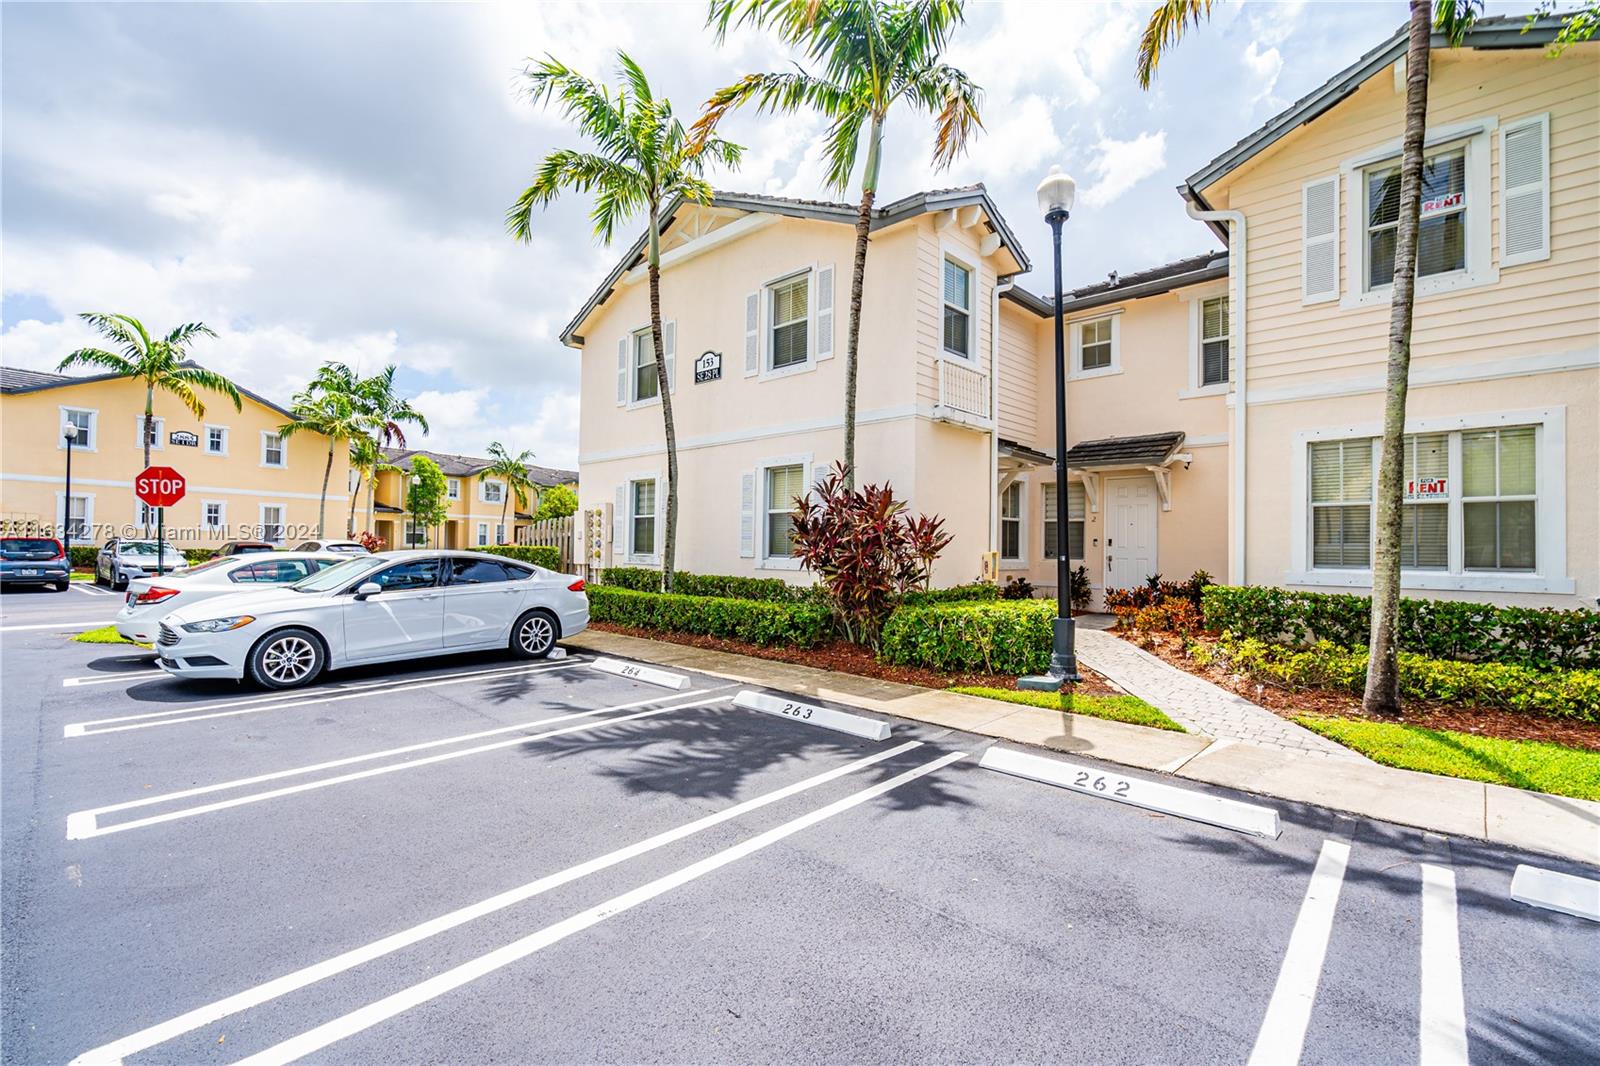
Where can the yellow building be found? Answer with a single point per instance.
(481, 511)
(245, 479)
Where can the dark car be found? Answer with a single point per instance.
(34, 561)
(245, 547)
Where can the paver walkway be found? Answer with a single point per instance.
(1195, 703)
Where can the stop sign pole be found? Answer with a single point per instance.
(160, 487)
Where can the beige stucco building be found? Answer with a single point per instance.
(1221, 410)
(480, 509)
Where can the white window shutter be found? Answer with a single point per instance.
(824, 305)
(747, 516)
(1525, 191)
(622, 371)
(752, 334)
(669, 348)
(619, 525)
(1319, 240)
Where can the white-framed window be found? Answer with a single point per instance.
(416, 535)
(958, 292)
(499, 533)
(452, 488)
(157, 431)
(77, 515)
(144, 514)
(646, 382)
(86, 420)
(1011, 523)
(784, 485)
(1482, 507)
(272, 522)
(1075, 514)
(789, 315)
(214, 515)
(1216, 330)
(642, 517)
(1442, 233)
(492, 491)
(273, 452)
(1096, 346)
(483, 534)
(216, 442)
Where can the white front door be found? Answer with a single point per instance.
(1130, 531)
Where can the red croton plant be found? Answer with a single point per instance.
(868, 551)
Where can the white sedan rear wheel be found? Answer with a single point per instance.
(534, 635)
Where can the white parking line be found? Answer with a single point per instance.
(102, 679)
(82, 825)
(118, 1050)
(283, 700)
(1283, 1030)
(77, 623)
(89, 590)
(372, 1014)
(1443, 1015)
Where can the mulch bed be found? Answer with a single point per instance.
(1430, 714)
(847, 658)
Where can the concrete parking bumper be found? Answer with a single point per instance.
(1553, 825)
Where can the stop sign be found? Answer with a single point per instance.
(160, 486)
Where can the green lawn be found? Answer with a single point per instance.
(87, 575)
(1117, 708)
(1520, 763)
(104, 635)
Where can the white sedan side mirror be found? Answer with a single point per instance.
(368, 588)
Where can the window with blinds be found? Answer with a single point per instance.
(785, 485)
(644, 517)
(790, 319)
(1075, 513)
(1425, 516)
(1442, 231)
(1215, 331)
(1341, 503)
(1499, 477)
(646, 383)
(1011, 522)
(957, 309)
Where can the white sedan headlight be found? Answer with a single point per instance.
(220, 625)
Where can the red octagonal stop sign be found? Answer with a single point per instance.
(160, 486)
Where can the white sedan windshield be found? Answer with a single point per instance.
(338, 574)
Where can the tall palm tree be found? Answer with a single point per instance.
(644, 161)
(872, 54)
(513, 471)
(158, 362)
(385, 412)
(333, 415)
(1166, 27)
(367, 460)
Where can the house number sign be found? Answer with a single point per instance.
(708, 367)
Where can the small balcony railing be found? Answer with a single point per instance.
(963, 394)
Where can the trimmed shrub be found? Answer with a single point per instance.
(637, 578)
(1535, 638)
(978, 591)
(82, 555)
(196, 556)
(1011, 637)
(539, 555)
(1561, 694)
(774, 589)
(799, 625)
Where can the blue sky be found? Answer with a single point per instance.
(329, 181)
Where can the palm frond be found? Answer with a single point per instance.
(954, 99)
(634, 76)
(561, 170)
(777, 92)
(186, 395)
(840, 146)
(209, 379)
(1454, 18)
(122, 329)
(110, 362)
(1166, 28)
(181, 336)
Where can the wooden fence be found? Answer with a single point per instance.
(553, 533)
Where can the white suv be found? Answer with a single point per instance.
(373, 609)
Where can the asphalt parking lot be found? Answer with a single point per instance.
(482, 860)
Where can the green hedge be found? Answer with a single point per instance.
(774, 589)
(1535, 638)
(1562, 694)
(540, 555)
(1003, 637)
(196, 556)
(82, 555)
(978, 591)
(799, 625)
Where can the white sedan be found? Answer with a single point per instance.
(151, 599)
(374, 609)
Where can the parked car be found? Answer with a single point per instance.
(373, 609)
(122, 559)
(349, 547)
(34, 561)
(151, 599)
(245, 547)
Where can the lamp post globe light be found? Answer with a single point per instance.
(70, 435)
(1056, 194)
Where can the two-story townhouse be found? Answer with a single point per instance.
(1503, 416)
(754, 293)
(480, 510)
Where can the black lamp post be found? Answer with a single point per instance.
(70, 435)
(1056, 193)
(416, 482)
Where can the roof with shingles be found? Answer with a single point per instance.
(471, 465)
(1191, 270)
(1150, 449)
(14, 380)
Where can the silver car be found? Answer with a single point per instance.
(124, 559)
(152, 598)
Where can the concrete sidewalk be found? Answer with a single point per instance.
(1554, 825)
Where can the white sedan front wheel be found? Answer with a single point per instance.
(534, 635)
(288, 658)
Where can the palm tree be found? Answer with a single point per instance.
(872, 53)
(333, 415)
(159, 362)
(367, 460)
(384, 411)
(644, 162)
(1166, 27)
(513, 471)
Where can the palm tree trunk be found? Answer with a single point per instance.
(858, 277)
(350, 520)
(505, 505)
(372, 490)
(1383, 671)
(322, 502)
(669, 549)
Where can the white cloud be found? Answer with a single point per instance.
(1118, 166)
